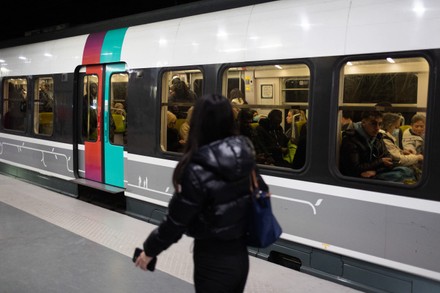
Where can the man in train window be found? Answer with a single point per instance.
(90, 119)
(45, 98)
(364, 154)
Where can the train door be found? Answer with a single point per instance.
(100, 156)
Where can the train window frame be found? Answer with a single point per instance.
(188, 75)
(274, 74)
(15, 104)
(389, 65)
(118, 108)
(43, 112)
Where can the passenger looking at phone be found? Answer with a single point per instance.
(364, 154)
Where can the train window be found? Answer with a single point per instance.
(89, 107)
(270, 103)
(383, 103)
(43, 106)
(179, 93)
(15, 103)
(118, 102)
(296, 90)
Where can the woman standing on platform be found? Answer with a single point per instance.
(211, 202)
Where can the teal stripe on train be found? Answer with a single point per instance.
(112, 45)
(114, 154)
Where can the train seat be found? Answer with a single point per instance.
(119, 123)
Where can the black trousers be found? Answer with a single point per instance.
(220, 266)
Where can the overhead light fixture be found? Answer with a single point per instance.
(391, 60)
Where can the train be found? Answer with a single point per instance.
(320, 57)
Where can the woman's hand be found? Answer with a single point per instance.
(143, 260)
(388, 162)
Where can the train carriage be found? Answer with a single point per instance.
(316, 57)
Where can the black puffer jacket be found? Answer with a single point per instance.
(358, 155)
(214, 200)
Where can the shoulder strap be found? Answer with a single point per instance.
(254, 181)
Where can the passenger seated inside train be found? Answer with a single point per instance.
(45, 98)
(174, 143)
(256, 116)
(391, 123)
(180, 93)
(245, 127)
(364, 154)
(346, 120)
(118, 124)
(413, 138)
(119, 117)
(272, 138)
(184, 127)
(236, 98)
(118, 108)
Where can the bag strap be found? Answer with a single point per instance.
(254, 181)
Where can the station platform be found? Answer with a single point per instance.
(50, 242)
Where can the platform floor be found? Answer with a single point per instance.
(50, 242)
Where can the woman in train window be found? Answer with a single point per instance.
(413, 138)
(211, 202)
(391, 122)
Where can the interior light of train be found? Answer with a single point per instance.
(278, 66)
(391, 60)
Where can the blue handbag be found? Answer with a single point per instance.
(264, 228)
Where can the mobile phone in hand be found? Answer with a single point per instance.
(151, 265)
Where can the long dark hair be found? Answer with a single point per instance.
(212, 119)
